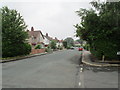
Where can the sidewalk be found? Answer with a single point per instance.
(28, 56)
(23, 57)
(86, 60)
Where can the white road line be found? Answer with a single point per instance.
(79, 83)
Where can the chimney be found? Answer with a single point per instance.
(46, 34)
(55, 38)
(32, 29)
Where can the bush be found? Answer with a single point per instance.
(16, 50)
(38, 46)
(48, 49)
(87, 47)
(68, 47)
(53, 45)
(61, 48)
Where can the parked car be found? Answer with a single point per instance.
(80, 49)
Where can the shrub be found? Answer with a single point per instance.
(61, 48)
(48, 49)
(38, 46)
(53, 45)
(68, 47)
(16, 50)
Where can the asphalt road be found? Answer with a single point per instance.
(57, 70)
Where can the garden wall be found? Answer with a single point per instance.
(35, 51)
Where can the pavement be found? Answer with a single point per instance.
(86, 60)
(22, 57)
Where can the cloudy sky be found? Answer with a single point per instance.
(55, 17)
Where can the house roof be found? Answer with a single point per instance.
(34, 33)
(48, 37)
(61, 41)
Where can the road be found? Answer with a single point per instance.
(57, 70)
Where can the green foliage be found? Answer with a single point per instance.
(70, 41)
(68, 47)
(53, 45)
(13, 34)
(87, 47)
(38, 46)
(16, 50)
(61, 48)
(65, 44)
(48, 49)
(101, 29)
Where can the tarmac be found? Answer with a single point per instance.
(86, 60)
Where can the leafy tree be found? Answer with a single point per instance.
(65, 44)
(13, 34)
(101, 29)
(53, 45)
(80, 41)
(70, 41)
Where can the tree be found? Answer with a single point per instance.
(80, 41)
(101, 29)
(70, 41)
(65, 44)
(13, 34)
(53, 45)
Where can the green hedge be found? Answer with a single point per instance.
(15, 50)
(38, 46)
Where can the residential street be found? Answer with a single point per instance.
(57, 70)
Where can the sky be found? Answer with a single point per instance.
(55, 17)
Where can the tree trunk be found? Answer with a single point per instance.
(103, 58)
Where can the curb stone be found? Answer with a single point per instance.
(98, 65)
(24, 57)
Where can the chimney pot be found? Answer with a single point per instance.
(32, 29)
(46, 34)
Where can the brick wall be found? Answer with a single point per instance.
(35, 51)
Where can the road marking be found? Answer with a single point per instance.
(81, 69)
(79, 83)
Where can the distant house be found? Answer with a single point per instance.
(76, 43)
(47, 40)
(59, 43)
(35, 37)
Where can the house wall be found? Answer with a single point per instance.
(46, 41)
(38, 39)
(59, 44)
